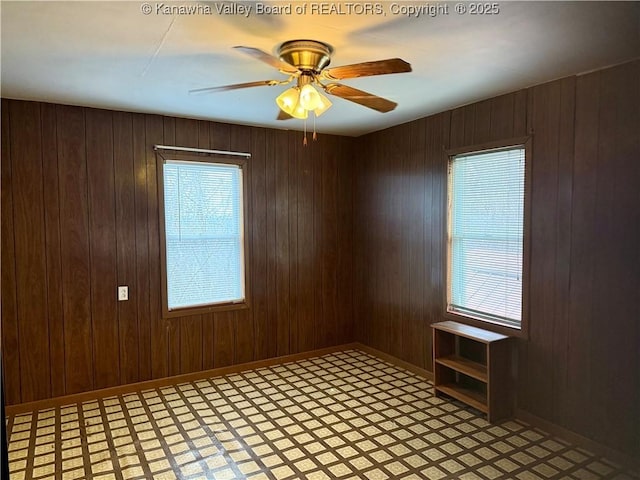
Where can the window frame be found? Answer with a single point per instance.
(518, 142)
(161, 158)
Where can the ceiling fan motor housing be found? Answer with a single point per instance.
(307, 55)
(306, 62)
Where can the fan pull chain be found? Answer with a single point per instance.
(315, 136)
(304, 141)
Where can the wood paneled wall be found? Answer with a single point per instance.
(580, 367)
(80, 216)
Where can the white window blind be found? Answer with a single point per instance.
(486, 195)
(204, 233)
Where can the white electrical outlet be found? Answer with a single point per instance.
(123, 293)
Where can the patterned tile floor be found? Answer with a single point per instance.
(346, 415)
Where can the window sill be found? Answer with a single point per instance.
(487, 325)
(188, 311)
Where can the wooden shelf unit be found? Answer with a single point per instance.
(473, 365)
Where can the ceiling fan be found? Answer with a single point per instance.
(306, 62)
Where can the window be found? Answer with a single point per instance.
(485, 244)
(203, 233)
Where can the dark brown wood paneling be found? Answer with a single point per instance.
(140, 295)
(583, 246)
(90, 194)
(240, 141)
(551, 113)
(457, 128)
(561, 338)
(10, 337)
(438, 132)
(313, 155)
(295, 161)
(374, 267)
(417, 255)
(258, 253)
(482, 122)
(397, 143)
(609, 347)
(224, 337)
(125, 210)
(102, 247)
(277, 241)
(544, 110)
(584, 273)
(377, 319)
(520, 113)
(281, 200)
(329, 241)
(412, 205)
(502, 124)
(161, 365)
(344, 190)
(431, 216)
(29, 248)
(469, 136)
(614, 398)
(76, 266)
(54, 259)
(190, 347)
(359, 278)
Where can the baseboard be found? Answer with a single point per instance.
(578, 440)
(165, 381)
(394, 360)
(215, 372)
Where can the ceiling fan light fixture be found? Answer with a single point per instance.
(299, 112)
(309, 97)
(306, 61)
(323, 105)
(288, 100)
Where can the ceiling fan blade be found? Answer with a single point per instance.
(362, 98)
(268, 59)
(367, 69)
(235, 86)
(283, 115)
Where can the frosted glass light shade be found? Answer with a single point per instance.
(299, 112)
(323, 105)
(309, 97)
(288, 100)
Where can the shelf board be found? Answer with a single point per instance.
(463, 365)
(468, 331)
(475, 399)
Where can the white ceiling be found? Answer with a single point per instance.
(110, 55)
